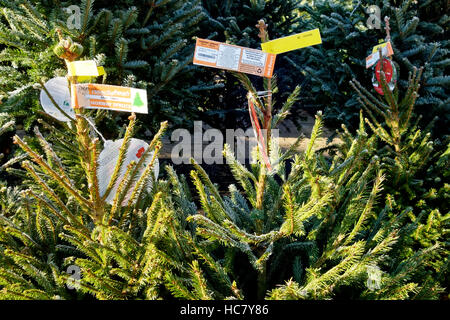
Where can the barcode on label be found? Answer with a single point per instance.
(206, 54)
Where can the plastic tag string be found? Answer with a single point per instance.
(93, 127)
(257, 128)
(264, 93)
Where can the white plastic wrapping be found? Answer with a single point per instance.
(59, 89)
(107, 162)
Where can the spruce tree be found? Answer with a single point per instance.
(234, 22)
(117, 251)
(418, 39)
(415, 163)
(348, 221)
(145, 44)
(323, 219)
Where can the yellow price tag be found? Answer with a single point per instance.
(87, 68)
(296, 41)
(101, 72)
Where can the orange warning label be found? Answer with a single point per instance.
(230, 57)
(102, 96)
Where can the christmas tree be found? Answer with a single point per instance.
(418, 39)
(330, 227)
(364, 218)
(234, 22)
(137, 101)
(144, 45)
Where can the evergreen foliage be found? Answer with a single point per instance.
(326, 220)
(418, 40)
(315, 224)
(145, 44)
(234, 22)
(418, 167)
(330, 219)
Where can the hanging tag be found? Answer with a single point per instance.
(293, 42)
(102, 96)
(386, 51)
(230, 57)
(387, 68)
(86, 68)
(59, 90)
(101, 72)
(107, 162)
(390, 73)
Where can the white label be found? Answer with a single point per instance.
(229, 57)
(254, 58)
(372, 59)
(206, 54)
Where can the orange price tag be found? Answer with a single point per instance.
(230, 57)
